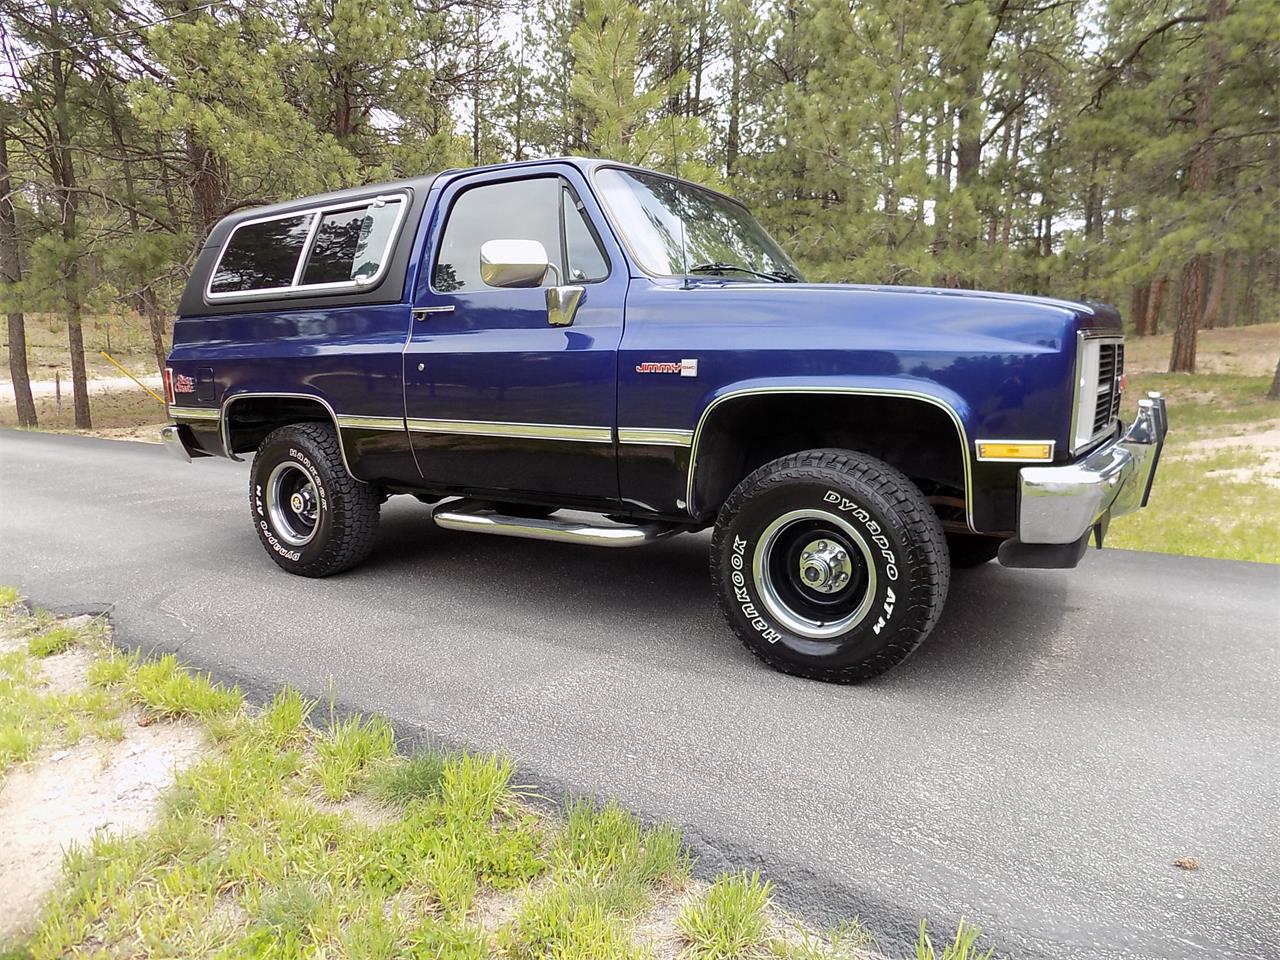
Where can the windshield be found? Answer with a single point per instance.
(720, 236)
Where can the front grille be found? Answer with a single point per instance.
(1110, 369)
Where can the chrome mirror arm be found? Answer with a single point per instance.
(562, 305)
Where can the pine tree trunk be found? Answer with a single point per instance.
(1155, 307)
(1200, 173)
(206, 191)
(155, 320)
(1233, 293)
(64, 178)
(1213, 306)
(1006, 229)
(1190, 287)
(732, 136)
(1250, 305)
(1274, 392)
(1138, 300)
(477, 54)
(968, 163)
(11, 273)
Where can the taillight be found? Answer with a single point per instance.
(168, 383)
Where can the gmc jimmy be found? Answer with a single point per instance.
(587, 352)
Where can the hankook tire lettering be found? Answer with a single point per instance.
(743, 598)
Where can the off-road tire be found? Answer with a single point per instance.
(901, 540)
(346, 520)
(971, 550)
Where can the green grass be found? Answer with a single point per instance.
(54, 640)
(1211, 497)
(730, 920)
(962, 946)
(604, 839)
(33, 718)
(569, 922)
(346, 753)
(416, 777)
(284, 720)
(170, 692)
(260, 848)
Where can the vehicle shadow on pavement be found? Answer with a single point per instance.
(997, 622)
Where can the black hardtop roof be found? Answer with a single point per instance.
(362, 192)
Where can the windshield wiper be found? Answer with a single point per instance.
(776, 276)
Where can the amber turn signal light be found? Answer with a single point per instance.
(1002, 450)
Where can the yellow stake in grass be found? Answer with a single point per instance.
(159, 398)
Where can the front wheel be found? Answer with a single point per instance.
(312, 516)
(830, 564)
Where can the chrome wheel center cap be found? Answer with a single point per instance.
(297, 503)
(824, 566)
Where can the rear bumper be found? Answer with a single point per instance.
(177, 440)
(1061, 506)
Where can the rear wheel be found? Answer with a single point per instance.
(971, 549)
(312, 516)
(829, 564)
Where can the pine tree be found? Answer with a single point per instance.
(624, 114)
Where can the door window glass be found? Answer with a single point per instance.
(516, 210)
(531, 209)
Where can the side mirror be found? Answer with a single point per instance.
(513, 263)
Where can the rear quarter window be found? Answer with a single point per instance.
(351, 245)
(262, 256)
(323, 250)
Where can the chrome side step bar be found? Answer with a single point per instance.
(479, 517)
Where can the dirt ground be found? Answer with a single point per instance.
(120, 413)
(1261, 438)
(64, 796)
(126, 337)
(1248, 351)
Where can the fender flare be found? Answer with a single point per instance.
(224, 424)
(734, 393)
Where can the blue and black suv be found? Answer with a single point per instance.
(582, 351)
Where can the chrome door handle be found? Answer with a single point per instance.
(421, 313)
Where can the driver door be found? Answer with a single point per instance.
(497, 400)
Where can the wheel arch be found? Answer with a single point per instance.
(247, 417)
(724, 450)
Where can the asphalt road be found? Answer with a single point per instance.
(1036, 767)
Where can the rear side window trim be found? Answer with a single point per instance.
(317, 215)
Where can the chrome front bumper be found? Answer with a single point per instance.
(1060, 505)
